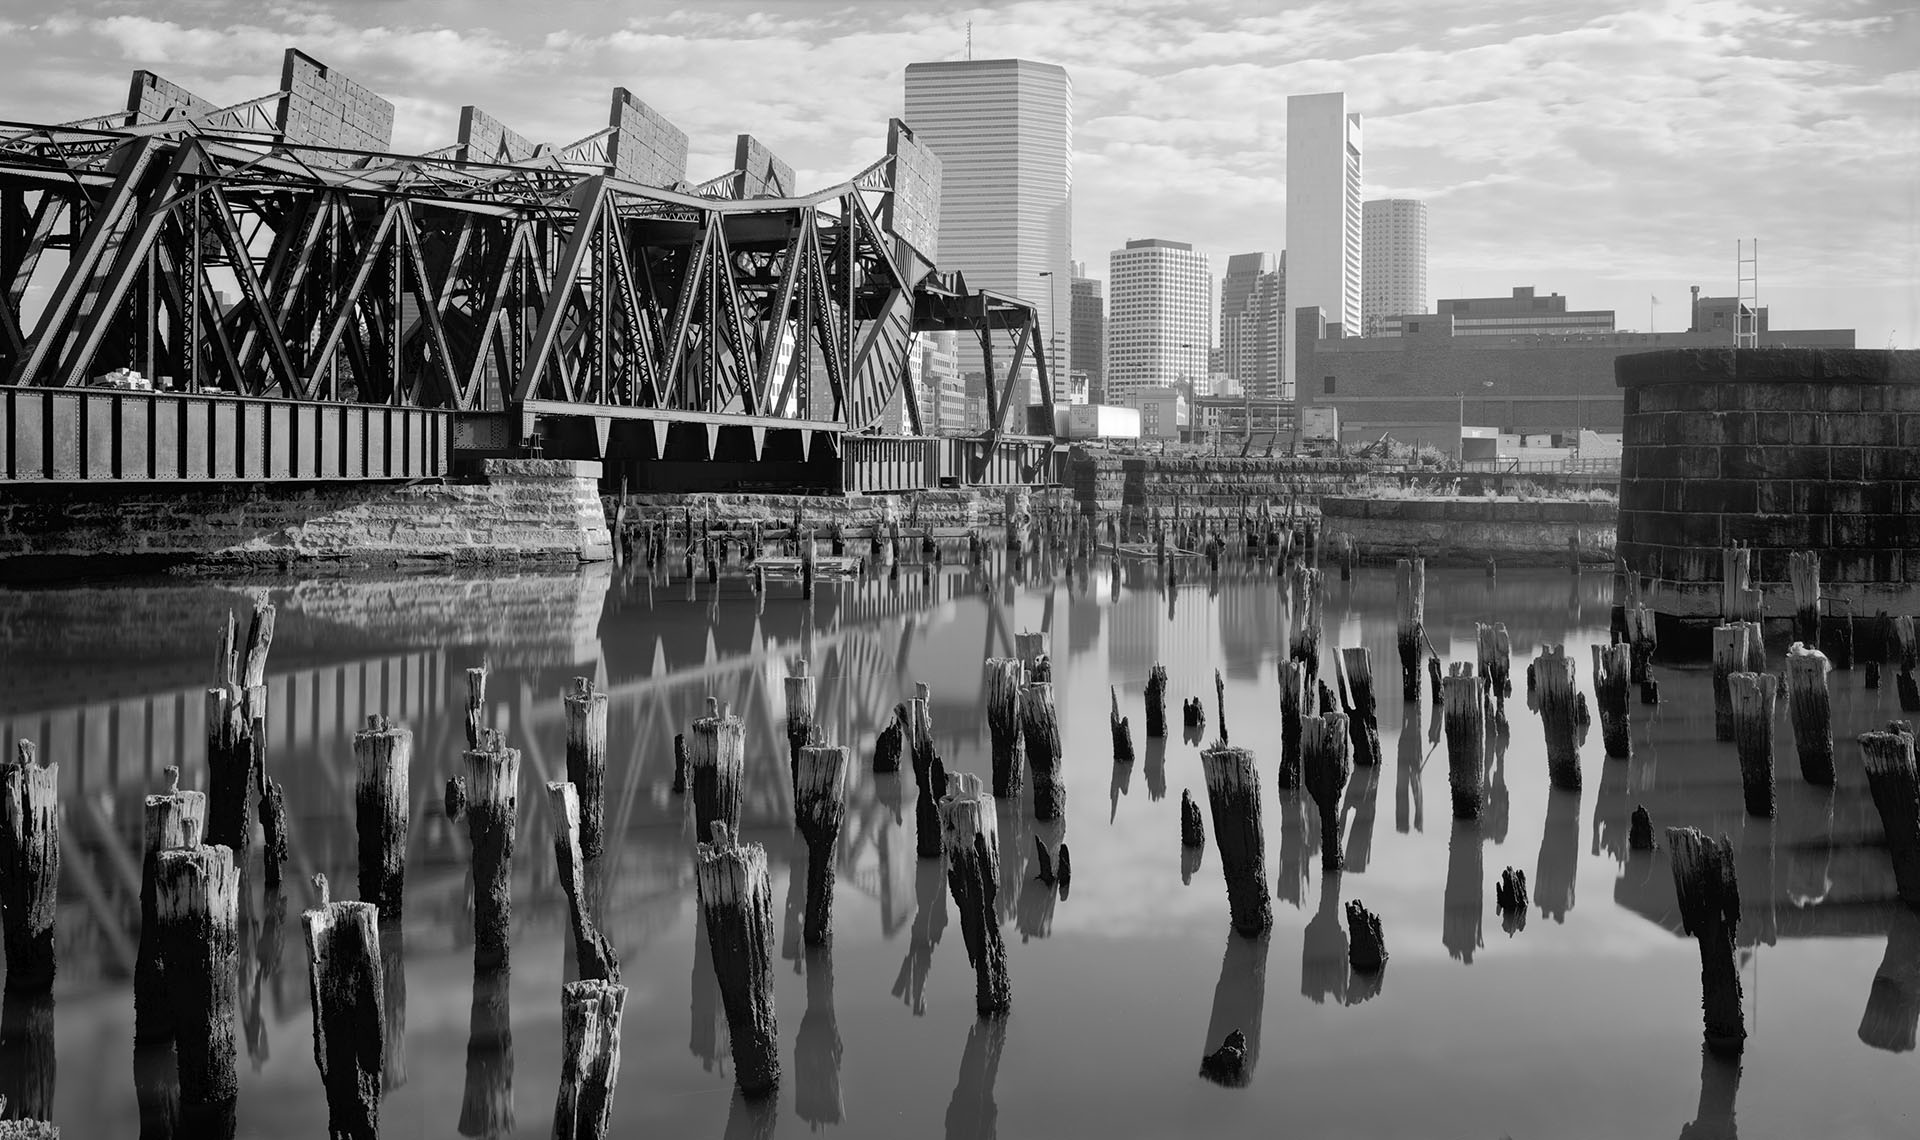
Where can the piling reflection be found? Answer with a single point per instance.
(1719, 1088)
(1034, 912)
(27, 1068)
(972, 1114)
(1554, 874)
(393, 980)
(816, 1048)
(1240, 996)
(1465, 897)
(1362, 792)
(1893, 1004)
(706, 1035)
(1408, 805)
(1494, 770)
(1298, 846)
(929, 923)
(1613, 809)
(1155, 767)
(486, 1103)
(751, 1118)
(1323, 952)
(156, 1089)
(1016, 841)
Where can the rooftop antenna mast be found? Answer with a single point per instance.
(1746, 312)
(969, 39)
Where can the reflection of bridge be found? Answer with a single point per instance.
(658, 663)
(320, 308)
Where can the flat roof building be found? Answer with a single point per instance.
(1159, 316)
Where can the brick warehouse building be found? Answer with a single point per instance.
(1421, 386)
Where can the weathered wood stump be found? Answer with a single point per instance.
(29, 868)
(1642, 642)
(1303, 620)
(196, 904)
(1466, 733)
(1894, 783)
(820, 803)
(476, 721)
(736, 898)
(1510, 891)
(1496, 656)
(1611, 666)
(1732, 646)
(1709, 898)
(1192, 832)
(230, 776)
(1553, 677)
(1233, 795)
(586, 712)
(971, 838)
(801, 696)
(889, 742)
(1227, 1065)
(1003, 725)
(492, 783)
(929, 775)
(1410, 606)
(1810, 713)
(716, 763)
(1296, 704)
(1640, 830)
(1193, 714)
(383, 761)
(1325, 765)
(1366, 946)
(1042, 731)
(174, 819)
(591, 950)
(1803, 571)
(1753, 700)
(1353, 667)
(590, 1013)
(344, 976)
(1157, 701)
(679, 785)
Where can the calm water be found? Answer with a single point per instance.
(1585, 1023)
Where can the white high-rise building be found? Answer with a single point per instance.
(1393, 261)
(1159, 317)
(1003, 129)
(1323, 211)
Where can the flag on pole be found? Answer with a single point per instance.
(1656, 300)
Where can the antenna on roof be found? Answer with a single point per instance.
(969, 39)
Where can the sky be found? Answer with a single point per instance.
(1612, 151)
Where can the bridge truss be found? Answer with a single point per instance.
(539, 294)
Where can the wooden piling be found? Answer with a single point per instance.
(476, 705)
(1810, 713)
(1296, 704)
(807, 567)
(344, 979)
(29, 868)
(1121, 731)
(820, 803)
(273, 810)
(736, 898)
(493, 781)
(1326, 764)
(1510, 891)
(196, 905)
(1192, 832)
(1611, 666)
(971, 838)
(716, 762)
(929, 774)
(595, 955)
(1031, 648)
(889, 742)
(1157, 701)
(1640, 830)
(1753, 697)
(1709, 898)
(229, 768)
(590, 1014)
(174, 819)
(1366, 945)
(1495, 655)
(1303, 618)
(586, 712)
(1003, 724)
(1233, 796)
(1732, 647)
(383, 759)
(679, 785)
(1894, 783)
(801, 694)
(1803, 570)
(1354, 668)
(1552, 671)
(1642, 643)
(1410, 606)
(1466, 732)
(1041, 729)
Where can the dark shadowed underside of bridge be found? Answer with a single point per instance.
(309, 305)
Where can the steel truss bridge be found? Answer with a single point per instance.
(322, 308)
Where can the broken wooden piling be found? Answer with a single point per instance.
(801, 695)
(1709, 898)
(1410, 604)
(970, 836)
(492, 784)
(1192, 832)
(1640, 830)
(1120, 730)
(1366, 945)
(716, 763)
(590, 1014)
(1803, 571)
(1041, 729)
(1753, 699)
(929, 775)
(1296, 703)
(196, 905)
(29, 868)
(1894, 783)
(1810, 713)
(1325, 763)
(736, 898)
(1510, 891)
(1612, 664)
(1466, 732)
(1552, 671)
(1732, 647)
(889, 742)
(586, 712)
(383, 759)
(1233, 795)
(820, 806)
(174, 819)
(344, 980)
(591, 950)
(1354, 669)
(1303, 617)
(1003, 724)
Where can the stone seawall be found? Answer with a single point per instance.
(538, 510)
(1210, 486)
(952, 512)
(1467, 531)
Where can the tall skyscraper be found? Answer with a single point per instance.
(1087, 345)
(1253, 308)
(1003, 129)
(1323, 210)
(1159, 317)
(1393, 261)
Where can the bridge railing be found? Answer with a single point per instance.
(89, 435)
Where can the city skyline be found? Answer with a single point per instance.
(1612, 153)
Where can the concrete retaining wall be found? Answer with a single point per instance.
(545, 510)
(1211, 486)
(1467, 531)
